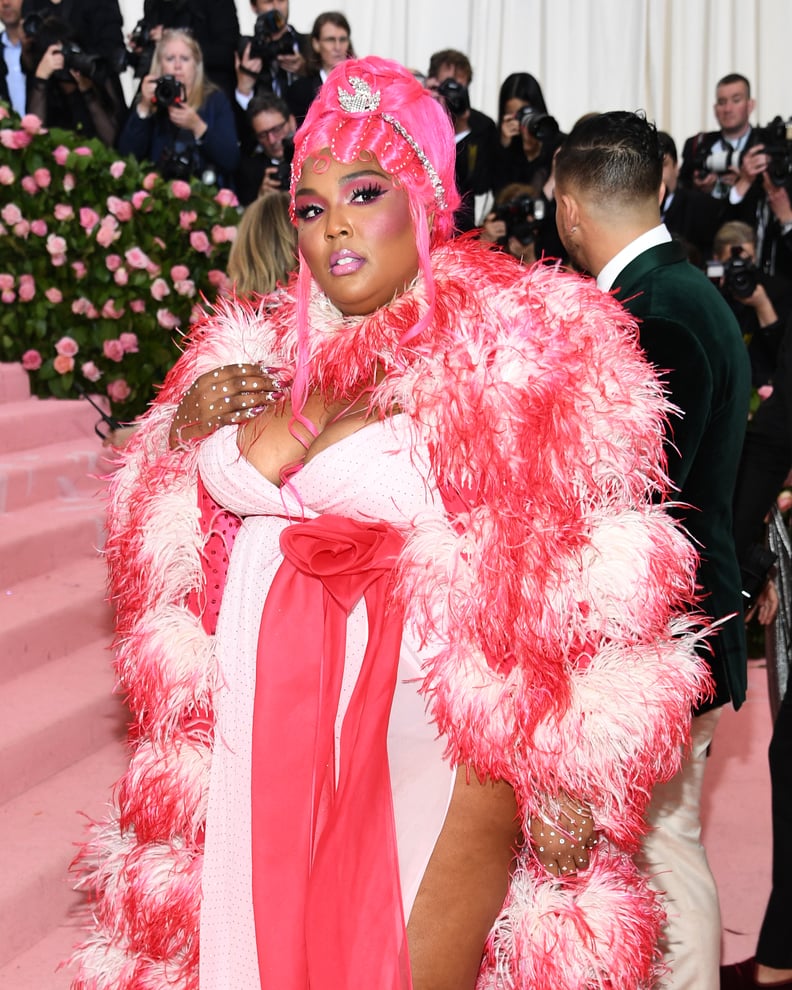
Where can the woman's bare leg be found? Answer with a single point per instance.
(464, 886)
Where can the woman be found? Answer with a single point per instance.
(331, 43)
(264, 251)
(525, 153)
(469, 455)
(181, 122)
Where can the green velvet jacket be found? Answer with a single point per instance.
(692, 338)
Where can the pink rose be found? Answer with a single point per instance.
(31, 360)
(118, 390)
(11, 213)
(63, 211)
(159, 289)
(109, 312)
(80, 306)
(83, 152)
(29, 185)
(765, 391)
(43, 177)
(120, 208)
(153, 269)
(216, 277)
(54, 295)
(225, 197)
(8, 296)
(7, 177)
(58, 260)
(139, 197)
(187, 218)
(67, 346)
(31, 124)
(27, 288)
(68, 182)
(79, 269)
(22, 229)
(108, 232)
(149, 180)
(113, 350)
(60, 154)
(185, 287)
(39, 228)
(121, 277)
(56, 244)
(6, 282)
(137, 258)
(90, 371)
(15, 140)
(117, 169)
(137, 306)
(113, 262)
(92, 312)
(167, 320)
(129, 342)
(180, 189)
(88, 218)
(200, 242)
(197, 314)
(179, 272)
(63, 364)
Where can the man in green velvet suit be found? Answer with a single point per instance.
(608, 191)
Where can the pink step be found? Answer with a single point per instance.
(49, 616)
(55, 714)
(41, 830)
(40, 967)
(37, 422)
(60, 470)
(35, 540)
(14, 382)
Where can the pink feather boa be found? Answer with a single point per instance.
(560, 586)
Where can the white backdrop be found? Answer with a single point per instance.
(663, 56)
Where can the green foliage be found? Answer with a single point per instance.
(102, 263)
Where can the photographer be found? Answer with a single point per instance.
(267, 167)
(518, 222)
(213, 23)
(182, 122)
(67, 87)
(761, 303)
(331, 43)
(532, 137)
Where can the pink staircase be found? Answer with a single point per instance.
(61, 727)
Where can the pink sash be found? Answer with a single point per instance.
(326, 892)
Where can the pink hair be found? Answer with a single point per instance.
(350, 135)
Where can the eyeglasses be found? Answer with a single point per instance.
(270, 133)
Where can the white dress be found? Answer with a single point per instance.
(370, 474)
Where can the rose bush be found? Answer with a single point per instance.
(102, 263)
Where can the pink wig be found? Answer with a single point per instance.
(397, 121)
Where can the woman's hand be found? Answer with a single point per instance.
(563, 839)
(509, 129)
(227, 396)
(493, 230)
(183, 115)
(145, 104)
(51, 61)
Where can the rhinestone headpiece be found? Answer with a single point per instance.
(364, 99)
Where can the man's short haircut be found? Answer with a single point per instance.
(268, 102)
(667, 145)
(733, 234)
(450, 56)
(615, 155)
(731, 79)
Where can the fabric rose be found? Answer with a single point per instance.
(63, 364)
(43, 177)
(31, 360)
(120, 208)
(15, 140)
(129, 342)
(60, 154)
(63, 211)
(83, 152)
(180, 189)
(137, 306)
(11, 214)
(7, 177)
(39, 228)
(159, 289)
(80, 270)
(187, 218)
(88, 218)
(68, 182)
(113, 262)
(113, 350)
(200, 242)
(31, 124)
(27, 288)
(22, 229)
(118, 391)
(29, 185)
(8, 296)
(56, 245)
(223, 235)
(137, 258)
(185, 287)
(149, 180)
(121, 276)
(225, 197)
(179, 272)
(6, 282)
(80, 306)
(117, 169)
(139, 197)
(108, 232)
(90, 371)
(67, 346)
(109, 311)
(54, 295)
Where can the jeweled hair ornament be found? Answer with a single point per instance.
(364, 99)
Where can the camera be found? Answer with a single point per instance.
(262, 43)
(523, 217)
(143, 45)
(176, 164)
(540, 125)
(74, 58)
(455, 96)
(738, 276)
(283, 173)
(168, 92)
(32, 24)
(776, 138)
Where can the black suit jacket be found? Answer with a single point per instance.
(690, 334)
(702, 144)
(694, 218)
